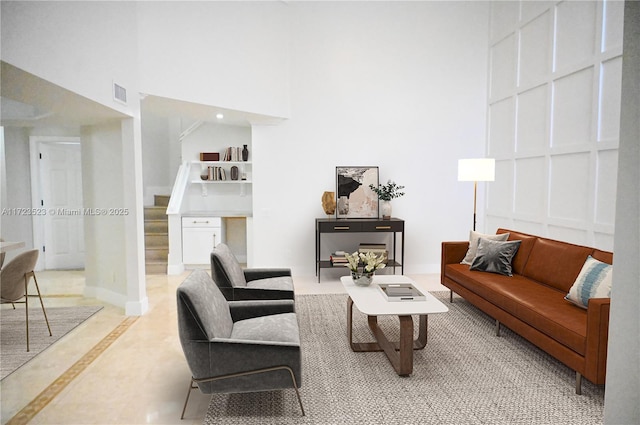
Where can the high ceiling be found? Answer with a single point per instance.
(165, 107)
(29, 101)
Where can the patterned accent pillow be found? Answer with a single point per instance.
(495, 256)
(474, 239)
(594, 281)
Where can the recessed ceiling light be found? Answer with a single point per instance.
(219, 116)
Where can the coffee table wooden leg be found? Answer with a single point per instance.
(400, 353)
(421, 341)
(358, 346)
(406, 346)
(401, 358)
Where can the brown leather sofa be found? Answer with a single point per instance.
(531, 302)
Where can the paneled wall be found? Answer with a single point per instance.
(553, 118)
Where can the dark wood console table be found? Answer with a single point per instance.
(360, 225)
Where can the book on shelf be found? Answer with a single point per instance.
(216, 173)
(400, 292)
(233, 154)
(376, 248)
(338, 259)
(372, 247)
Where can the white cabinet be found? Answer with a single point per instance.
(199, 236)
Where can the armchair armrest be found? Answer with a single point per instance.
(264, 273)
(241, 310)
(597, 339)
(243, 293)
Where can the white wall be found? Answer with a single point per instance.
(228, 54)
(18, 188)
(81, 46)
(102, 188)
(554, 110)
(113, 271)
(84, 47)
(156, 156)
(398, 85)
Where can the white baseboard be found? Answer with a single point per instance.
(132, 308)
(175, 269)
(137, 308)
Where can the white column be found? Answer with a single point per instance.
(137, 302)
(622, 397)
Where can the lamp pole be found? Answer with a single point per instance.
(475, 191)
(475, 170)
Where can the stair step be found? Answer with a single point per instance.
(156, 226)
(156, 240)
(161, 200)
(156, 254)
(156, 268)
(156, 236)
(155, 213)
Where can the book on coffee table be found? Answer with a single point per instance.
(401, 292)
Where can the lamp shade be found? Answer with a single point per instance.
(477, 170)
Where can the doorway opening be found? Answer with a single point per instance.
(56, 190)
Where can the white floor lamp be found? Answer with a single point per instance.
(476, 170)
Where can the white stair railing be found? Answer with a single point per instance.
(179, 189)
(174, 211)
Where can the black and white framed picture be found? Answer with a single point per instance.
(355, 199)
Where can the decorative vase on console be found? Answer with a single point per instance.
(363, 266)
(245, 153)
(329, 203)
(385, 210)
(386, 193)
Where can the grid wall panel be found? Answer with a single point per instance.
(554, 112)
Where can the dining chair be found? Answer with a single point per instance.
(14, 282)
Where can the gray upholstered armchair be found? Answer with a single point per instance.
(248, 284)
(237, 346)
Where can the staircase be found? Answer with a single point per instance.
(156, 236)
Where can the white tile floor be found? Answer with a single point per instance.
(142, 377)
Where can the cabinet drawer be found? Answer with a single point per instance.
(383, 226)
(336, 227)
(201, 222)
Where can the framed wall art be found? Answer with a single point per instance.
(355, 199)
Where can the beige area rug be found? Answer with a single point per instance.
(465, 375)
(13, 342)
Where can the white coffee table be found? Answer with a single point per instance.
(370, 301)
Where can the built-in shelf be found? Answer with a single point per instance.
(221, 163)
(221, 181)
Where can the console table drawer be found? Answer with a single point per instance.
(383, 226)
(336, 227)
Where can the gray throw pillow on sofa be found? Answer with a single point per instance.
(495, 256)
(474, 238)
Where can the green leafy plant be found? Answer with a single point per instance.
(389, 191)
(365, 262)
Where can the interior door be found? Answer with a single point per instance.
(61, 185)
